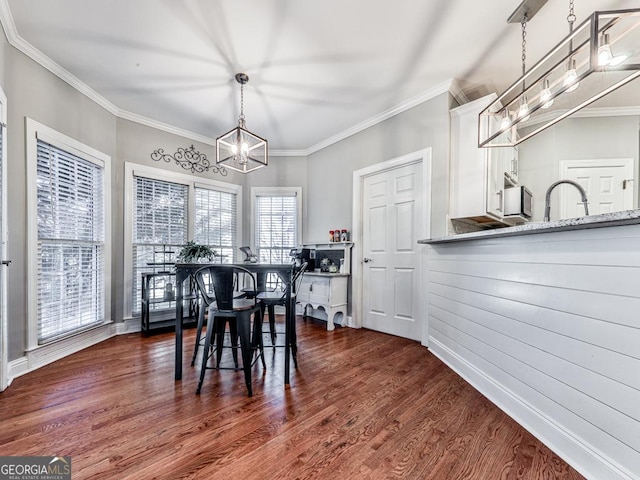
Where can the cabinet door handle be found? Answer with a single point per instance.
(6, 262)
(367, 260)
(499, 206)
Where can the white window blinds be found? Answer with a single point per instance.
(275, 227)
(159, 230)
(216, 221)
(71, 244)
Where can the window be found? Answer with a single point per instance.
(168, 209)
(71, 265)
(159, 229)
(277, 223)
(216, 216)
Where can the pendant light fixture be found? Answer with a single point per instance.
(239, 149)
(594, 59)
(570, 81)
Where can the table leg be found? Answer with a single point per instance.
(178, 328)
(287, 336)
(292, 335)
(244, 330)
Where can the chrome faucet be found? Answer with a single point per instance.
(547, 198)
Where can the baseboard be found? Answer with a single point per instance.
(129, 325)
(575, 452)
(17, 367)
(46, 354)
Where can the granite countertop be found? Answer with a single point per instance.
(627, 217)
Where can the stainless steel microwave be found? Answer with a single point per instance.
(518, 201)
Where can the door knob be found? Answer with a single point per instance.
(367, 260)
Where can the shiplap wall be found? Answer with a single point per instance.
(548, 327)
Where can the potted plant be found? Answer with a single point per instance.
(193, 252)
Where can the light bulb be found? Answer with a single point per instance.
(604, 51)
(523, 111)
(234, 149)
(546, 99)
(506, 120)
(571, 77)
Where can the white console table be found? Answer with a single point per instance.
(327, 291)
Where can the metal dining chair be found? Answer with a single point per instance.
(227, 307)
(272, 299)
(207, 297)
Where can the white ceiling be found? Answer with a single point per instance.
(316, 68)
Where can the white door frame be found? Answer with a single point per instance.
(4, 336)
(423, 230)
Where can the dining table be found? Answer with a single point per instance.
(185, 271)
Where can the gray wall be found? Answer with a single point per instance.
(136, 142)
(34, 92)
(574, 139)
(330, 170)
(4, 48)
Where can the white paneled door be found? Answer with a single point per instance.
(4, 342)
(393, 203)
(608, 183)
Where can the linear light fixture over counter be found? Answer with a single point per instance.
(599, 56)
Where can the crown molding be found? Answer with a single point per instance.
(391, 112)
(457, 93)
(288, 153)
(32, 52)
(165, 127)
(590, 113)
(607, 112)
(6, 20)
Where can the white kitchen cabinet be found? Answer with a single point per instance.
(478, 175)
(511, 165)
(326, 291)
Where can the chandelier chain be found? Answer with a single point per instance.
(571, 18)
(241, 118)
(524, 42)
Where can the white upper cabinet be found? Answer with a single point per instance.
(478, 175)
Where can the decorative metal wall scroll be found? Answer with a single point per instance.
(189, 159)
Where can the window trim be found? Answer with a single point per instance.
(192, 181)
(276, 192)
(36, 131)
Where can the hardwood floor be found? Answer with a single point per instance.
(362, 405)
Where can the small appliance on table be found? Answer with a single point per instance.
(249, 255)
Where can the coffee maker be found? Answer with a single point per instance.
(302, 255)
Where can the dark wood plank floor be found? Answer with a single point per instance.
(362, 405)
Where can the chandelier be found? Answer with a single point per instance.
(599, 56)
(239, 149)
